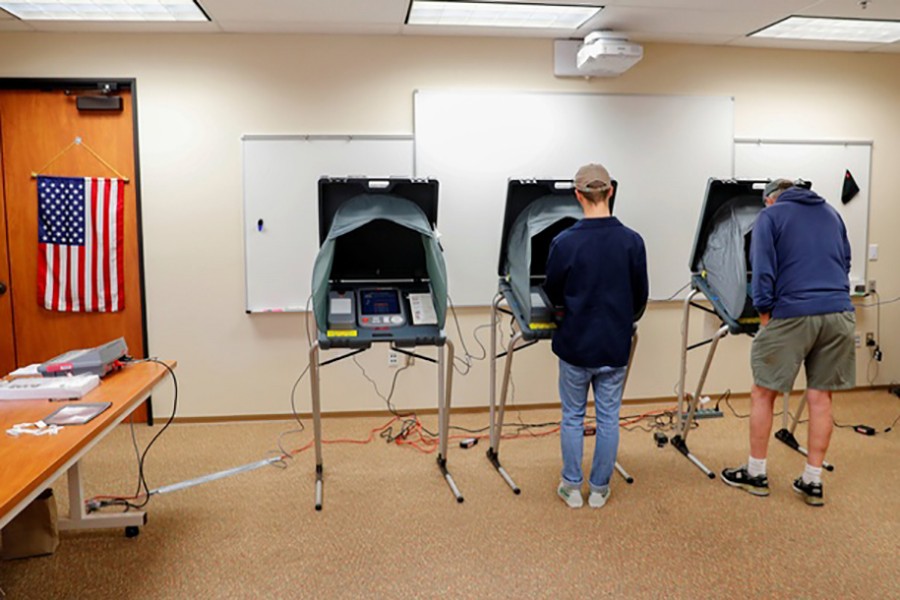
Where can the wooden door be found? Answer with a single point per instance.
(7, 333)
(35, 125)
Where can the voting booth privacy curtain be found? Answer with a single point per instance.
(360, 211)
(725, 258)
(537, 217)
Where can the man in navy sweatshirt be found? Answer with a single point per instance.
(597, 271)
(800, 256)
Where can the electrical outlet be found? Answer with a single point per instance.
(872, 289)
(873, 252)
(870, 339)
(393, 359)
(857, 340)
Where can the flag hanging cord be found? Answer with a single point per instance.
(79, 142)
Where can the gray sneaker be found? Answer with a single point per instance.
(598, 499)
(570, 495)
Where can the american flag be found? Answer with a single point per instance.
(80, 266)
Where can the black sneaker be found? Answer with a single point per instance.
(740, 478)
(811, 492)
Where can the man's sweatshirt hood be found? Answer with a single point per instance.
(800, 195)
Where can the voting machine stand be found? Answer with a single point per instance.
(380, 277)
(720, 272)
(536, 211)
(720, 268)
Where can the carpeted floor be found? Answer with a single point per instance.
(390, 527)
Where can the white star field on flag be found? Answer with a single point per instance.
(61, 211)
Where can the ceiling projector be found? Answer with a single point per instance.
(606, 54)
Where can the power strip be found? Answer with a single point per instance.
(706, 413)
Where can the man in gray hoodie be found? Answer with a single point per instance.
(800, 257)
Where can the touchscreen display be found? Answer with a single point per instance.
(379, 302)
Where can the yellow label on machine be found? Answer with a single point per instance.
(535, 326)
(341, 333)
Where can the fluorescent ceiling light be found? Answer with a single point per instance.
(835, 30)
(104, 10)
(499, 14)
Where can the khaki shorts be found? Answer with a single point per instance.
(824, 343)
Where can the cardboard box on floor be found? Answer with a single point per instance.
(33, 532)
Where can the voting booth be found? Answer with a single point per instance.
(529, 225)
(380, 277)
(721, 272)
(536, 212)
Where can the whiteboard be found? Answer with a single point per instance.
(661, 149)
(823, 164)
(281, 175)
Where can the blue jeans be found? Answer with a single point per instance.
(608, 384)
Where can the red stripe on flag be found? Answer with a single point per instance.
(120, 244)
(55, 250)
(66, 290)
(70, 284)
(42, 273)
(81, 277)
(87, 292)
(106, 244)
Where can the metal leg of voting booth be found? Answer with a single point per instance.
(496, 421)
(445, 384)
(786, 436)
(444, 394)
(497, 413)
(687, 408)
(317, 418)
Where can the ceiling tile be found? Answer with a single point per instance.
(308, 11)
(123, 27)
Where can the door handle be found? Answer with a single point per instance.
(2, 288)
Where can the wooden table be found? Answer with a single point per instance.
(30, 464)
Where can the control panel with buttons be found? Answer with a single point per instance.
(381, 307)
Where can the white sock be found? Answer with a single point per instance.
(812, 474)
(756, 466)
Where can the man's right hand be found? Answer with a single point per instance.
(764, 318)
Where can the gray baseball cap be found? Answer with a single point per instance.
(591, 178)
(775, 185)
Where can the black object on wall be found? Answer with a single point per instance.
(850, 188)
(99, 103)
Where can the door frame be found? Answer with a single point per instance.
(93, 83)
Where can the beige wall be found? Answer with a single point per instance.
(198, 94)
